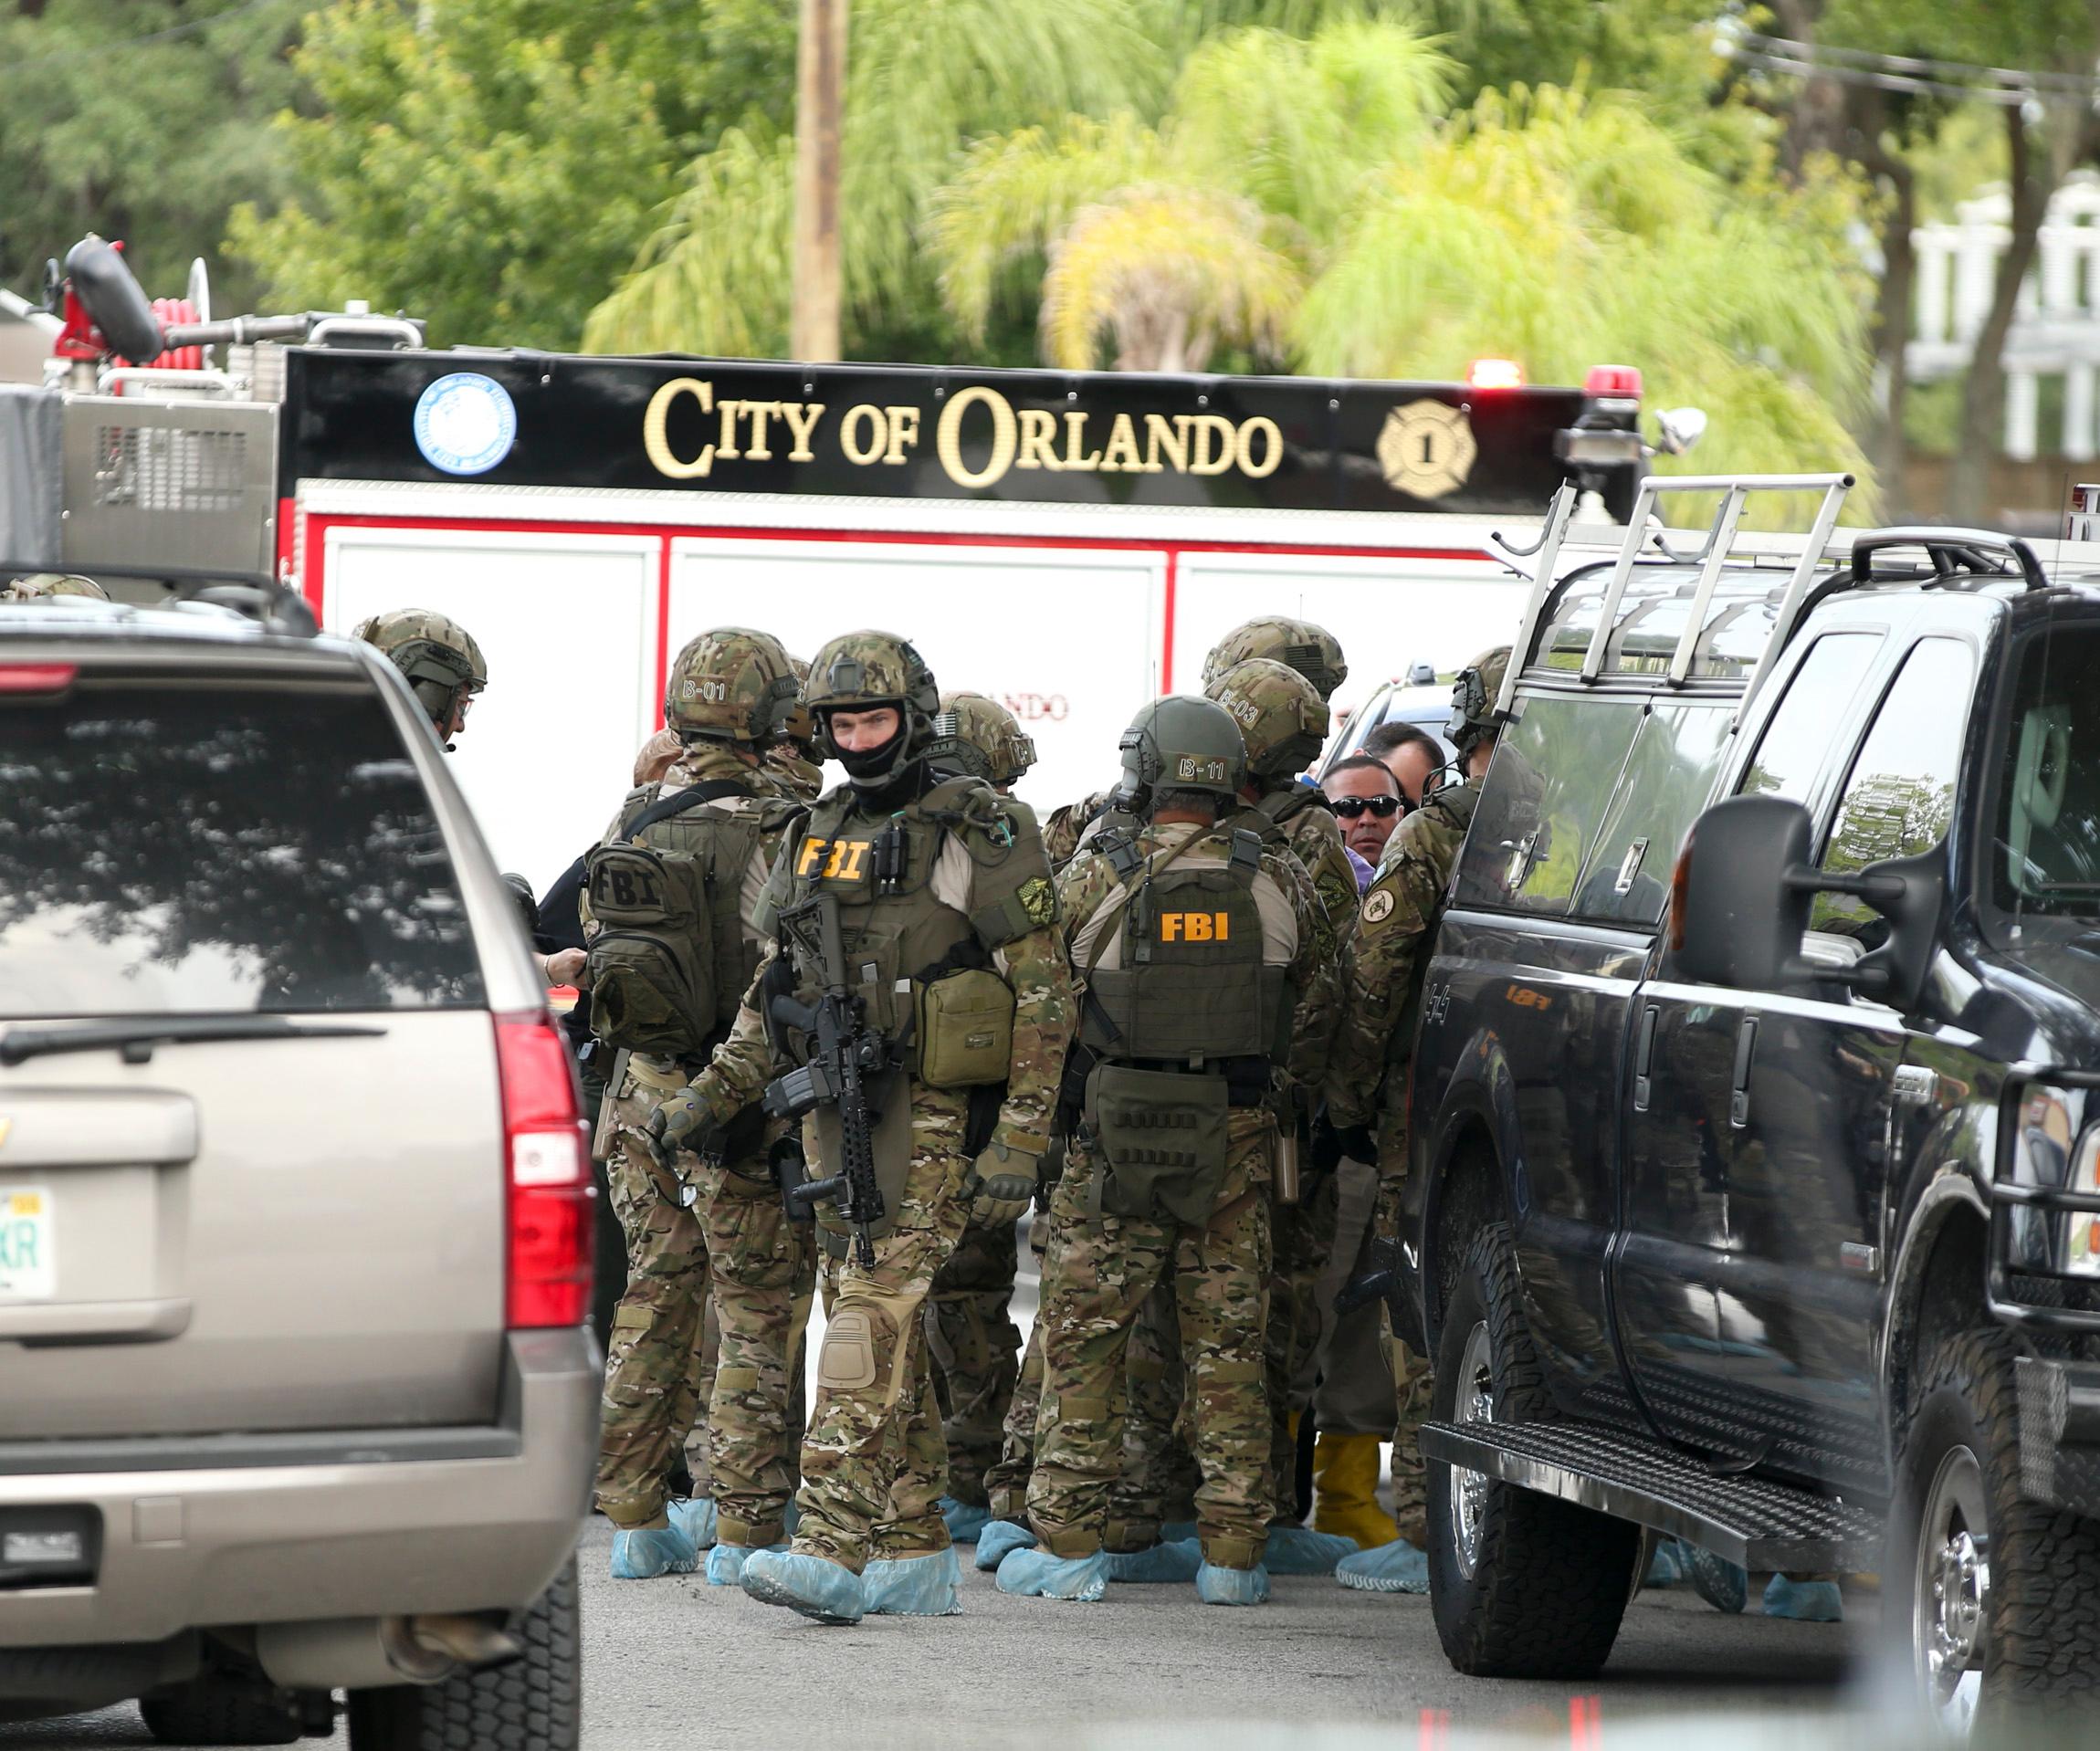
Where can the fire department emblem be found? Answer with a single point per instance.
(1426, 449)
(465, 422)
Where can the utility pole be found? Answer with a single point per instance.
(820, 98)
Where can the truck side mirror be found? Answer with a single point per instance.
(110, 296)
(1740, 906)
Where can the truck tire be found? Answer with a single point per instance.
(2005, 1590)
(534, 1703)
(1522, 1585)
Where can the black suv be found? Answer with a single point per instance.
(1754, 1193)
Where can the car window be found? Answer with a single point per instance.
(1553, 775)
(1669, 775)
(1797, 741)
(220, 846)
(2045, 861)
(1899, 797)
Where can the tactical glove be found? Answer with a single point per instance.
(1002, 1182)
(684, 1122)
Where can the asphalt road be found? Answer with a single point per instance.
(676, 1664)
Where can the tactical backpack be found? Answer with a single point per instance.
(669, 965)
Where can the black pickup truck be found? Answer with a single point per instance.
(1755, 1199)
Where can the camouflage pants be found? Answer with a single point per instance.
(976, 1351)
(872, 1461)
(765, 1270)
(654, 1361)
(1006, 1484)
(1159, 1476)
(1355, 1392)
(1413, 1380)
(1099, 1271)
(1299, 1255)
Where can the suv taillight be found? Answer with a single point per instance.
(548, 1177)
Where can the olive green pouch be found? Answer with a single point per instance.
(1162, 1139)
(964, 1024)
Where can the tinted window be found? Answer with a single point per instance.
(1669, 777)
(2045, 854)
(1553, 776)
(1900, 795)
(1797, 741)
(222, 847)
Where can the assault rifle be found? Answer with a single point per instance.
(843, 1052)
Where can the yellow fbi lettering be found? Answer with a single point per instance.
(1194, 927)
(833, 860)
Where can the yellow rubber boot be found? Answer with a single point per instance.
(1345, 1490)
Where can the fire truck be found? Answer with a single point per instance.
(1069, 543)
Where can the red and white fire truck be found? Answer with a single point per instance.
(1070, 544)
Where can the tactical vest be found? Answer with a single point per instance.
(1180, 979)
(669, 964)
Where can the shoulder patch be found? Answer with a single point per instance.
(1039, 900)
(1378, 906)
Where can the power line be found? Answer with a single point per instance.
(188, 28)
(2008, 86)
(1958, 70)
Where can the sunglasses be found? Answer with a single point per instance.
(1350, 807)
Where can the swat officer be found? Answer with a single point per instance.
(976, 1347)
(936, 896)
(1194, 947)
(789, 744)
(671, 902)
(444, 666)
(1367, 1072)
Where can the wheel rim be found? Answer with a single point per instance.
(1474, 1402)
(1950, 1592)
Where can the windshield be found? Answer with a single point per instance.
(220, 846)
(2045, 847)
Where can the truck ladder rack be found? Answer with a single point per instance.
(1713, 556)
(1751, 1521)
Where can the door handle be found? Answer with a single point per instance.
(1739, 1095)
(1644, 1058)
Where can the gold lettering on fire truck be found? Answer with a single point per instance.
(1073, 441)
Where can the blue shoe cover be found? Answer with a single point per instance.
(1216, 1586)
(818, 1588)
(1299, 1550)
(645, 1552)
(726, 1562)
(1175, 1562)
(912, 1585)
(1804, 1601)
(1178, 1532)
(1668, 1566)
(1036, 1574)
(1718, 1580)
(1396, 1567)
(964, 1522)
(695, 1518)
(997, 1539)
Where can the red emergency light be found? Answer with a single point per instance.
(1615, 382)
(1495, 373)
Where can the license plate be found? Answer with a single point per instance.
(29, 1262)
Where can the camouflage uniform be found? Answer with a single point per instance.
(444, 664)
(1068, 825)
(874, 1466)
(1367, 1072)
(1101, 1267)
(718, 1289)
(974, 1343)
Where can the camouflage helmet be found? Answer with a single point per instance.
(861, 672)
(1180, 743)
(41, 586)
(792, 720)
(436, 654)
(1472, 717)
(1313, 651)
(979, 736)
(731, 683)
(1279, 712)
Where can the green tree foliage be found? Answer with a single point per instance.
(487, 165)
(143, 120)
